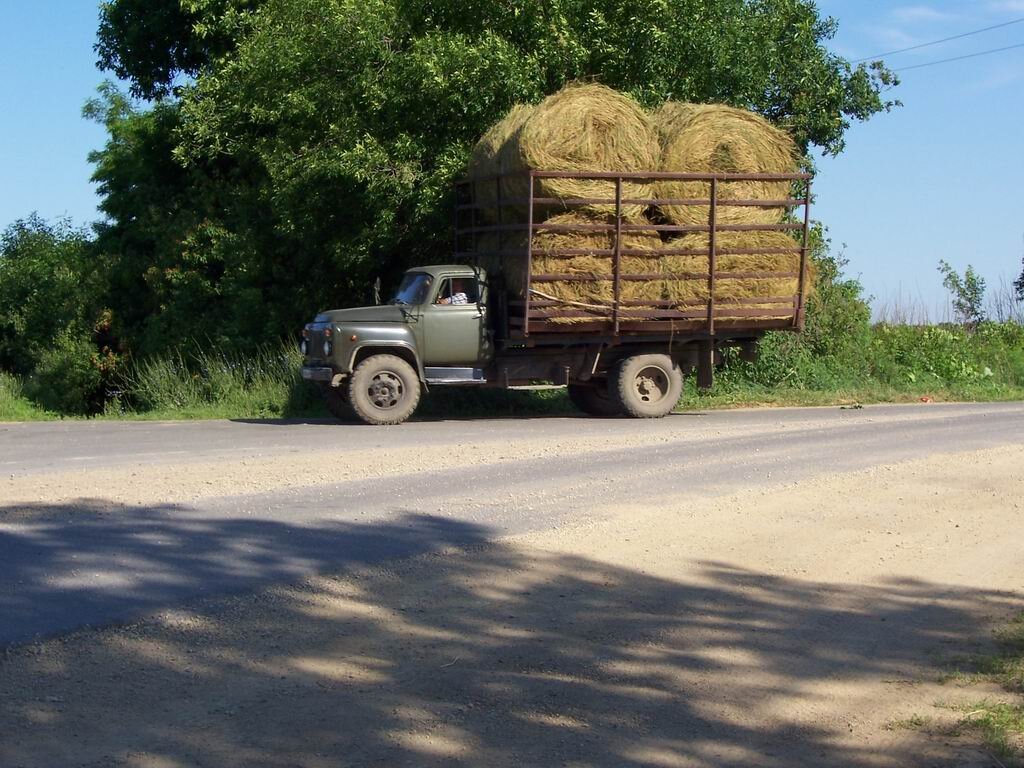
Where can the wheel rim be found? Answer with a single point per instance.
(651, 384)
(386, 390)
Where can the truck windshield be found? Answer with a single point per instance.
(413, 289)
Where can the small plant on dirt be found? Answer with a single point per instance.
(1001, 723)
(912, 723)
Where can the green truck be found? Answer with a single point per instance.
(463, 325)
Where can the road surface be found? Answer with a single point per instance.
(104, 523)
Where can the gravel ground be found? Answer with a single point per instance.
(784, 618)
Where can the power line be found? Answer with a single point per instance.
(937, 42)
(961, 58)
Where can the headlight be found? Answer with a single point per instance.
(328, 348)
(303, 348)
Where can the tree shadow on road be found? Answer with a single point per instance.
(492, 654)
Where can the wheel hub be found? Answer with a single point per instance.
(651, 384)
(385, 390)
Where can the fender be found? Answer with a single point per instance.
(384, 344)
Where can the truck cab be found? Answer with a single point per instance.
(374, 360)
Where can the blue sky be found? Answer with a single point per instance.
(939, 178)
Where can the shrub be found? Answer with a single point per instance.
(67, 377)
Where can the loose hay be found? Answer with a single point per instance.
(738, 291)
(713, 138)
(587, 128)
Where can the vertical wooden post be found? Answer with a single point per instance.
(712, 256)
(617, 258)
(501, 229)
(798, 319)
(529, 258)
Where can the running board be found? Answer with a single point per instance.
(454, 375)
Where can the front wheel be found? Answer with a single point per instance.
(647, 386)
(384, 389)
(594, 400)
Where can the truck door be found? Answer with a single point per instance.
(455, 324)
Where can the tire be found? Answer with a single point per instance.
(384, 389)
(594, 400)
(336, 400)
(647, 386)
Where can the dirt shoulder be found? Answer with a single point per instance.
(785, 626)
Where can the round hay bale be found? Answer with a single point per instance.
(491, 157)
(685, 289)
(596, 268)
(587, 128)
(713, 138)
(504, 255)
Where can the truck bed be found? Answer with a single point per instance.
(500, 235)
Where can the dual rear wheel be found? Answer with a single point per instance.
(641, 386)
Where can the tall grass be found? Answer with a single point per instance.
(14, 405)
(211, 383)
(892, 363)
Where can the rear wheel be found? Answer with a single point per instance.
(384, 389)
(594, 400)
(647, 386)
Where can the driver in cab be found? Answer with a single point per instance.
(457, 295)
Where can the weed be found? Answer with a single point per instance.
(1000, 723)
(912, 723)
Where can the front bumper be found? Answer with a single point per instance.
(315, 373)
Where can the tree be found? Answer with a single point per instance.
(1019, 284)
(162, 243)
(967, 292)
(152, 44)
(52, 324)
(47, 286)
(324, 135)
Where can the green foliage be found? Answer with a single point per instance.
(210, 383)
(14, 405)
(67, 378)
(833, 349)
(1019, 283)
(53, 326)
(840, 351)
(967, 292)
(320, 137)
(161, 295)
(153, 44)
(47, 286)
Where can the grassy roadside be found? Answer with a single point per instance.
(892, 364)
(15, 406)
(280, 402)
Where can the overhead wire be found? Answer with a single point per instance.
(960, 58)
(937, 42)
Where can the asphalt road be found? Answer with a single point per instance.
(80, 564)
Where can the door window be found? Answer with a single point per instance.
(458, 291)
